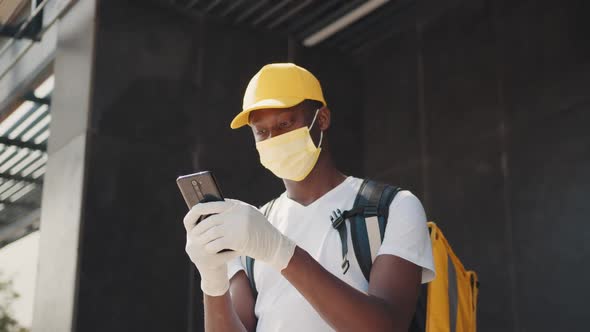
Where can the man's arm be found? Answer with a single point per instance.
(394, 286)
(233, 312)
(243, 300)
(388, 306)
(220, 314)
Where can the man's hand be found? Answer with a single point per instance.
(241, 227)
(211, 265)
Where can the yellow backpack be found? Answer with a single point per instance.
(449, 302)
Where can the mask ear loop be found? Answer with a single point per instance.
(314, 117)
(321, 132)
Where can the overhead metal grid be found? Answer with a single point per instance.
(347, 25)
(23, 155)
(28, 28)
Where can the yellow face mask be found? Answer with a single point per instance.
(291, 155)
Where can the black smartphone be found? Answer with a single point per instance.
(199, 188)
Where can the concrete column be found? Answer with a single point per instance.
(62, 204)
(112, 246)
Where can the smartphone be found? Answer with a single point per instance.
(199, 188)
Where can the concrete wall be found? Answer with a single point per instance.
(483, 111)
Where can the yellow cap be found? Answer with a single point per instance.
(278, 85)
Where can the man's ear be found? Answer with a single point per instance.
(324, 118)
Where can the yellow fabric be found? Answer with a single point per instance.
(474, 301)
(278, 85)
(291, 155)
(437, 307)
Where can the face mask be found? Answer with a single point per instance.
(291, 155)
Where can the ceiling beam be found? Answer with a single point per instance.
(22, 145)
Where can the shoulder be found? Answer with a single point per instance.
(407, 207)
(406, 234)
(269, 209)
(405, 198)
(268, 205)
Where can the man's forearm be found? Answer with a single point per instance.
(220, 314)
(339, 304)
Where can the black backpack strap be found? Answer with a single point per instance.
(339, 223)
(368, 219)
(250, 260)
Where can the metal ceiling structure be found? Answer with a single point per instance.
(23, 144)
(347, 25)
(13, 22)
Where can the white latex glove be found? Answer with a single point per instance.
(211, 266)
(241, 227)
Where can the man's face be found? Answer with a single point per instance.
(267, 123)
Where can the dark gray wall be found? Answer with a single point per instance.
(483, 110)
(132, 272)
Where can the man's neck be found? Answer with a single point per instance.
(323, 178)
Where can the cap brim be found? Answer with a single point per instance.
(285, 102)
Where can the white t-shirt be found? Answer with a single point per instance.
(279, 306)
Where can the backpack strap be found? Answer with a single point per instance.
(250, 260)
(339, 223)
(368, 219)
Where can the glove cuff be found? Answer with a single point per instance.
(215, 284)
(284, 254)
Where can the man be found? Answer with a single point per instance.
(300, 282)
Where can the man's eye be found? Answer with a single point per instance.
(284, 124)
(261, 132)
